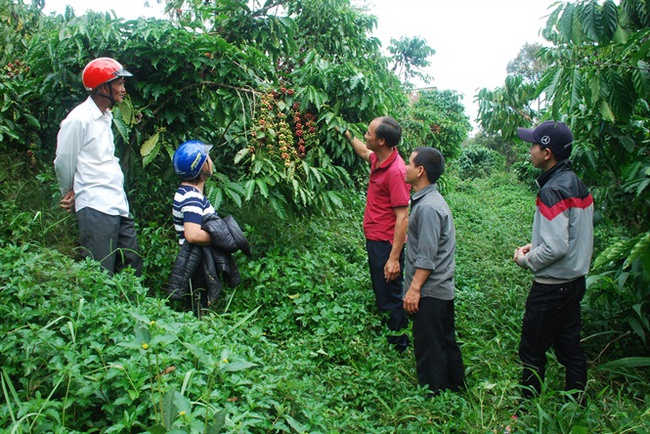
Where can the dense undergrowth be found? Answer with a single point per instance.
(297, 347)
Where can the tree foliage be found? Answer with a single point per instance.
(207, 73)
(436, 118)
(501, 109)
(527, 63)
(409, 56)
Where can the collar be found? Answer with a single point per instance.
(388, 160)
(96, 112)
(561, 166)
(424, 191)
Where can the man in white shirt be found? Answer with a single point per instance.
(89, 173)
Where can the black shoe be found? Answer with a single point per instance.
(400, 342)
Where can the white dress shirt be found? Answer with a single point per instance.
(86, 163)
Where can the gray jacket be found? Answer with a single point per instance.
(562, 242)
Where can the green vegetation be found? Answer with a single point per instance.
(298, 346)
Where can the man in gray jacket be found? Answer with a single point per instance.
(429, 276)
(559, 256)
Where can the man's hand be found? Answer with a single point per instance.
(520, 255)
(67, 201)
(348, 136)
(391, 270)
(412, 301)
(359, 147)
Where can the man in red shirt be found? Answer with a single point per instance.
(386, 218)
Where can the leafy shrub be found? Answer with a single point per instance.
(511, 150)
(478, 162)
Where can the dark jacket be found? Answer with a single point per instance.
(212, 262)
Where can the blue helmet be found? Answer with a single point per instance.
(190, 157)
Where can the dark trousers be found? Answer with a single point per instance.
(388, 295)
(437, 354)
(552, 319)
(109, 239)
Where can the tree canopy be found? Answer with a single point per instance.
(266, 83)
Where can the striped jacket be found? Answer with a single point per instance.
(562, 241)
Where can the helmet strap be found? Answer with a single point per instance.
(103, 95)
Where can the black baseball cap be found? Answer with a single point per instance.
(553, 135)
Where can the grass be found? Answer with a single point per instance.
(297, 347)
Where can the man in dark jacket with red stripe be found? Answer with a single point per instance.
(559, 256)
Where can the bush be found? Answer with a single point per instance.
(478, 162)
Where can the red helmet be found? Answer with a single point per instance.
(102, 70)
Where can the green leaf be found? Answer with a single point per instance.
(202, 356)
(355, 80)
(565, 23)
(297, 426)
(241, 154)
(149, 144)
(612, 253)
(609, 18)
(237, 366)
(606, 112)
(142, 334)
(250, 189)
(638, 309)
(640, 249)
(263, 187)
(218, 422)
(552, 81)
(169, 409)
(31, 120)
(122, 128)
(157, 429)
(126, 110)
(627, 362)
(621, 96)
(182, 403)
(576, 88)
(234, 195)
(591, 21)
(641, 78)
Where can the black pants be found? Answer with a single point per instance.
(552, 319)
(388, 295)
(110, 239)
(437, 354)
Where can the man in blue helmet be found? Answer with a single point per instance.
(89, 174)
(193, 165)
(205, 261)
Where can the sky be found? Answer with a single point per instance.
(474, 39)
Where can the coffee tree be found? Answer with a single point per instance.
(206, 73)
